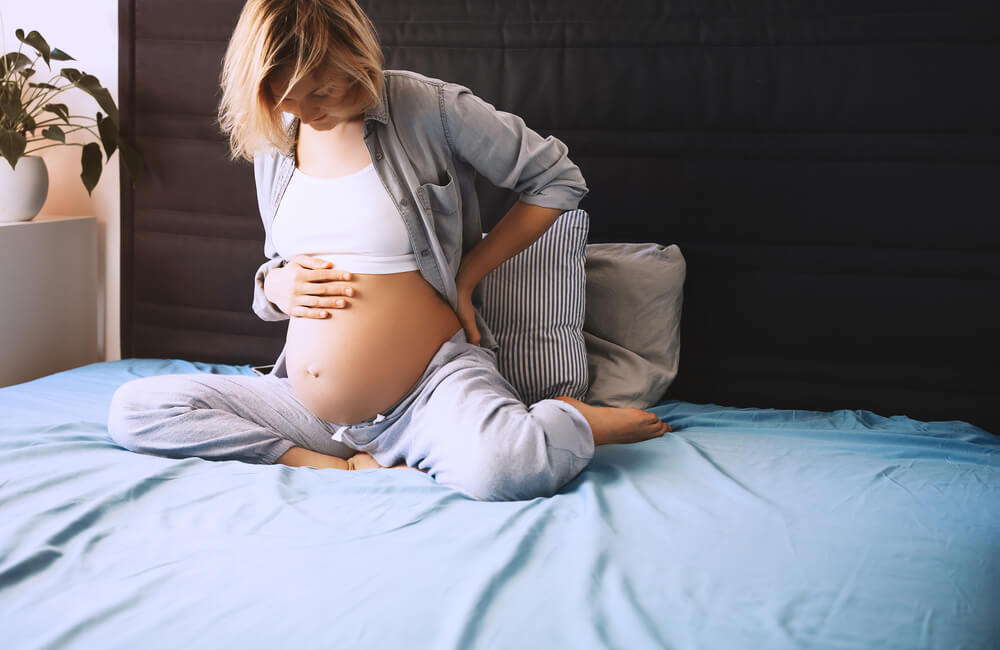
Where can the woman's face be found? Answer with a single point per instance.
(321, 99)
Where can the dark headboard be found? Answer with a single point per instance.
(830, 169)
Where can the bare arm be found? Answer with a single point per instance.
(518, 229)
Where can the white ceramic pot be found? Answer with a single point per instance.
(23, 189)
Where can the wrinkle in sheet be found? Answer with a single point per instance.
(100, 506)
(597, 506)
(150, 568)
(876, 480)
(36, 563)
(80, 525)
(595, 592)
(643, 629)
(927, 628)
(733, 480)
(844, 593)
(352, 520)
(801, 618)
(89, 622)
(94, 541)
(886, 474)
(515, 559)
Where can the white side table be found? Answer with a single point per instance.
(48, 297)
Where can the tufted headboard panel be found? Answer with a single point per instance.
(830, 169)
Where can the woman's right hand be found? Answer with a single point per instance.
(307, 287)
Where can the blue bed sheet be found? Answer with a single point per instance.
(746, 528)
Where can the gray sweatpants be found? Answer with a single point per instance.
(462, 422)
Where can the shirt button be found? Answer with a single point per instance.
(405, 202)
(378, 155)
(425, 252)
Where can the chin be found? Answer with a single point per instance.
(327, 123)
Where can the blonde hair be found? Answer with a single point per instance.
(307, 35)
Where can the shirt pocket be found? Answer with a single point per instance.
(440, 200)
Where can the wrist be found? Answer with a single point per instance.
(465, 283)
(474, 266)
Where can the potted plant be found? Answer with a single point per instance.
(32, 120)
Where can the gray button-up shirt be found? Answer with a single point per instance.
(428, 139)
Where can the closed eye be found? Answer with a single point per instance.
(323, 92)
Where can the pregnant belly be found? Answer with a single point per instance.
(366, 357)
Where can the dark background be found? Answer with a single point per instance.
(830, 170)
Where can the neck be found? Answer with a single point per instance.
(321, 145)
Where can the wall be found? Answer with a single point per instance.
(88, 31)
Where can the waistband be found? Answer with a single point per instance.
(375, 264)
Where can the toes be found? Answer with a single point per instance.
(646, 416)
(655, 430)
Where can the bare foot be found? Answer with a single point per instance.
(363, 460)
(619, 425)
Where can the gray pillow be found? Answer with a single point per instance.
(632, 323)
(534, 305)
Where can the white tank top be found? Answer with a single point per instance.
(349, 220)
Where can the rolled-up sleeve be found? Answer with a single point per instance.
(261, 306)
(501, 147)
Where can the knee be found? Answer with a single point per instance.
(125, 403)
(504, 475)
(493, 483)
(536, 456)
(134, 406)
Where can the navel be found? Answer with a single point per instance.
(313, 369)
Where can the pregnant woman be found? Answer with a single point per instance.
(365, 183)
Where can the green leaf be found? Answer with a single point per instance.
(28, 124)
(27, 72)
(14, 61)
(59, 55)
(35, 40)
(91, 162)
(59, 109)
(9, 91)
(54, 133)
(11, 111)
(12, 145)
(109, 134)
(45, 86)
(90, 85)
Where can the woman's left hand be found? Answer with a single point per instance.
(467, 315)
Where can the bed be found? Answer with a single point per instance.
(832, 481)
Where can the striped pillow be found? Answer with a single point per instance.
(534, 305)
